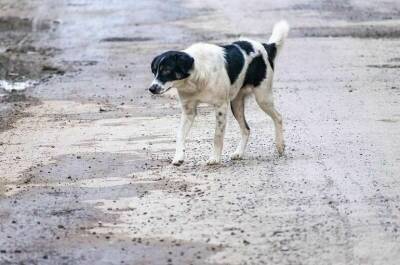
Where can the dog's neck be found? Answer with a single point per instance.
(187, 85)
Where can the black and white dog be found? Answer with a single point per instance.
(221, 76)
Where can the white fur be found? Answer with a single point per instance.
(209, 83)
(279, 33)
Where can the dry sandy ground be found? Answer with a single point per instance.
(85, 175)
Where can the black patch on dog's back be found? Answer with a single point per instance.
(271, 50)
(256, 72)
(234, 61)
(245, 45)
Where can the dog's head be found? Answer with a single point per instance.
(168, 67)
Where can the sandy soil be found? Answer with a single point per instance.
(84, 155)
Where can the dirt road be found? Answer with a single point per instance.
(85, 174)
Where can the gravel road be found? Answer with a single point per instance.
(85, 152)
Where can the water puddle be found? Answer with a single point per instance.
(10, 86)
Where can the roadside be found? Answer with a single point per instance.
(85, 178)
(23, 61)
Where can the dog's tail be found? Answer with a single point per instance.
(279, 34)
(275, 43)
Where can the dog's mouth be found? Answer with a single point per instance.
(157, 89)
(165, 90)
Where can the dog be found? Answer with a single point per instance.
(222, 75)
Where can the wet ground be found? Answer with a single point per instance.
(85, 150)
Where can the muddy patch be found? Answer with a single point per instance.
(22, 62)
(19, 30)
(126, 39)
(12, 106)
(12, 23)
(364, 32)
(346, 10)
(52, 216)
(15, 23)
(80, 63)
(90, 165)
(20, 58)
(111, 111)
(105, 112)
(14, 97)
(359, 31)
(389, 120)
(386, 66)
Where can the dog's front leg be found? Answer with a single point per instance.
(220, 114)
(187, 118)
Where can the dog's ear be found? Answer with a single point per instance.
(185, 63)
(155, 63)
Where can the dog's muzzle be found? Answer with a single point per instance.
(157, 88)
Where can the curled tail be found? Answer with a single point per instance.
(279, 33)
(275, 43)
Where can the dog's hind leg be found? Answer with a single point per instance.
(237, 107)
(187, 118)
(220, 114)
(264, 99)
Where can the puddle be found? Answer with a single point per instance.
(10, 86)
(22, 64)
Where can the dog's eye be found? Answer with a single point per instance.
(166, 71)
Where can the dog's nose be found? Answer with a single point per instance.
(154, 89)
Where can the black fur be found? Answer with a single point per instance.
(155, 63)
(256, 72)
(247, 126)
(172, 65)
(271, 50)
(234, 61)
(245, 45)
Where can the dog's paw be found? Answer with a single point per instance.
(213, 161)
(236, 156)
(177, 162)
(178, 158)
(281, 149)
